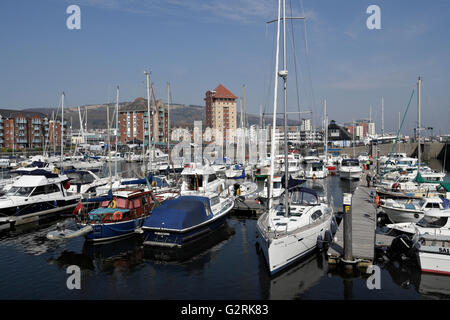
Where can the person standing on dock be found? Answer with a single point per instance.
(368, 179)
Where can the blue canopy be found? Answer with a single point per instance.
(37, 172)
(139, 181)
(180, 213)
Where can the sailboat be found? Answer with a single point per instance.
(293, 228)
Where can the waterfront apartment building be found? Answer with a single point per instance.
(28, 130)
(221, 111)
(134, 122)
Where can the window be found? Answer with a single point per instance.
(52, 188)
(38, 191)
(214, 201)
(136, 203)
(212, 177)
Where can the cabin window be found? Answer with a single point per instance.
(316, 215)
(38, 191)
(104, 204)
(194, 182)
(19, 191)
(52, 188)
(136, 203)
(212, 177)
(122, 203)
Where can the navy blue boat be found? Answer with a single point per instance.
(186, 219)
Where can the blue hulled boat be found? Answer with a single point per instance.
(185, 219)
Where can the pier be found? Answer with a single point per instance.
(363, 236)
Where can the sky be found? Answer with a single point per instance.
(197, 44)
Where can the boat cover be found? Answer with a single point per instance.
(180, 213)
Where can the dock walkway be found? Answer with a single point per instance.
(364, 224)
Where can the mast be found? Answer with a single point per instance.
(109, 146)
(117, 128)
(243, 123)
(283, 73)
(272, 144)
(382, 117)
(168, 120)
(419, 82)
(326, 130)
(62, 129)
(148, 121)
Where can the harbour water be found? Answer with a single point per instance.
(226, 267)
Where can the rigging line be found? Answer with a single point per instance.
(307, 57)
(396, 138)
(295, 63)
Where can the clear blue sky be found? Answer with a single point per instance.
(197, 44)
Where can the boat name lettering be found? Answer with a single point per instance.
(444, 250)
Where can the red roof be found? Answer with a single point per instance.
(222, 92)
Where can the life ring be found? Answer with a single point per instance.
(117, 216)
(396, 187)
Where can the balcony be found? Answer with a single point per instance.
(36, 121)
(21, 140)
(21, 120)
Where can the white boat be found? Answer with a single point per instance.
(434, 222)
(35, 194)
(290, 230)
(277, 190)
(287, 237)
(363, 157)
(246, 190)
(350, 169)
(198, 179)
(409, 210)
(434, 254)
(85, 182)
(315, 170)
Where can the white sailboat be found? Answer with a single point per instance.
(290, 230)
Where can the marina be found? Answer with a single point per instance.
(321, 194)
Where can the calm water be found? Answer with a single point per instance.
(226, 266)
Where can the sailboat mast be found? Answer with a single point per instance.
(148, 120)
(62, 129)
(419, 82)
(274, 124)
(117, 128)
(284, 74)
(109, 145)
(326, 129)
(168, 120)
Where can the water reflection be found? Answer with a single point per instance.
(124, 254)
(199, 251)
(295, 281)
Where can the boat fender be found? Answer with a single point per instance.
(328, 237)
(333, 226)
(319, 242)
(66, 185)
(117, 216)
(378, 201)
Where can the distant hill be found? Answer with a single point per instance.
(181, 115)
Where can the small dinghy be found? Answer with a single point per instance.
(60, 233)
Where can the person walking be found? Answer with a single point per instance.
(368, 179)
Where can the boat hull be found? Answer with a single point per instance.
(113, 230)
(400, 216)
(350, 175)
(431, 262)
(179, 238)
(284, 251)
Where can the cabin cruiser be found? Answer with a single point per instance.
(294, 165)
(244, 190)
(185, 220)
(199, 179)
(410, 210)
(35, 194)
(350, 169)
(429, 239)
(277, 191)
(235, 172)
(85, 182)
(315, 170)
(285, 237)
